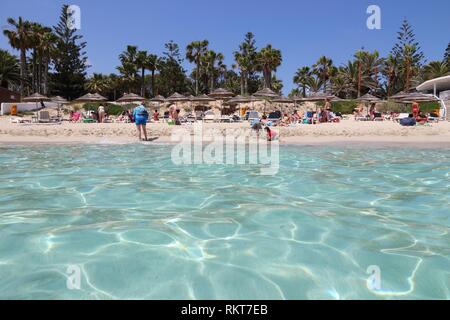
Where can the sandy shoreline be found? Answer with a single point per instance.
(346, 132)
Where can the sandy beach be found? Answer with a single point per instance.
(347, 131)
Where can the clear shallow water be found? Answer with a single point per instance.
(142, 228)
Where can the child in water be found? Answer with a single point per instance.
(271, 134)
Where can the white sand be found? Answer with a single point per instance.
(348, 131)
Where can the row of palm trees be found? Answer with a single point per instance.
(252, 69)
(209, 71)
(367, 72)
(27, 36)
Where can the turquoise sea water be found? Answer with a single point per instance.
(139, 227)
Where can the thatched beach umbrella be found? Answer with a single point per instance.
(318, 96)
(158, 100)
(418, 97)
(36, 97)
(131, 97)
(221, 94)
(399, 95)
(100, 97)
(89, 97)
(282, 100)
(176, 97)
(266, 94)
(368, 98)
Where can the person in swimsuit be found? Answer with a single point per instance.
(140, 115)
(271, 135)
(415, 109)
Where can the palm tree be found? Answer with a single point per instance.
(322, 68)
(268, 59)
(152, 64)
(194, 53)
(246, 60)
(9, 69)
(129, 69)
(314, 84)
(301, 78)
(97, 83)
(141, 63)
(409, 67)
(43, 44)
(436, 69)
(210, 59)
(19, 36)
(390, 70)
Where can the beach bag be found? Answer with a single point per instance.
(408, 122)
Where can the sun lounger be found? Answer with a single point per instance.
(18, 120)
(43, 117)
(401, 116)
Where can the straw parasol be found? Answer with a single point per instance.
(221, 94)
(158, 98)
(282, 99)
(100, 97)
(418, 97)
(368, 98)
(131, 97)
(266, 94)
(202, 98)
(89, 97)
(176, 97)
(399, 95)
(36, 97)
(318, 96)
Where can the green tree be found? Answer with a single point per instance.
(43, 47)
(97, 83)
(19, 36)
(408, 53)
(268, 60)
(436, 69)
(447, 54)
(152, 64)
(9, 70)
(194, 53)
(141, 64)
(213, 63)
(129, 67)
(322, 68)
(301, 79)
(172, 76)
(69, 61)
(390, 70)
(246, 61)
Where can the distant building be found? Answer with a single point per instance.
(8, 96)
(440, 87)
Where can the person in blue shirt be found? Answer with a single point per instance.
(140, 115)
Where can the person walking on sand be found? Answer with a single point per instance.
(140, 116)
(101, 114)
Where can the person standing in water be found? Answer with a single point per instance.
(140, 116)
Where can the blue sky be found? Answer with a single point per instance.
(302, 30)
